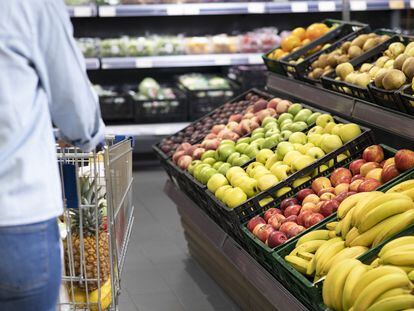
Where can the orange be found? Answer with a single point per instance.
(316, 30)
(306, 41)
(277, 53)
(290, 42)
(299, 32)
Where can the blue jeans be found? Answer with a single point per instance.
(30, 267)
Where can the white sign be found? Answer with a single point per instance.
(107, 11)
(326, 6)
(298, 7)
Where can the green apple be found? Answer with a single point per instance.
(270, 142)
(291, 156)
(249, 187)
(258, 130)
(300, 181)
(259, 172)
(198, 168)
(312, 118)
(240, 161)
(237, 180)
(329, 127)
(349, 131)
(271, 125)
(206, 173)
(241, 147)
(232, 157)
(243, 140)
(280, 171)
(298, 138)
(324, 119)
(233, 171)
(271, 160)
(315, 152)
(307, 146)
(316, 130)
(298, 126)
(259, 142)
(286, 134)
(227, 142)
(224, 168)
(252, 166)
(267, 181)
(192, 166)
(257, 136)
(268, 120)
(335, 129)
(272, 132)
(217, 165)
(210, 161)
(208, 154)
(216, 181)
(295, 109)
(251, 151)
(225, 151)
(263, 155)
(285, 124)
(284, 147)
(234, 197)
(302, 115)
(315, 139)
(302, 162)
(220, 192)
(330, 143)
(283, 117)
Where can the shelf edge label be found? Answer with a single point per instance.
(82, 11)
(107, 11)
(255, 59)
(256, 8)
(326, 6)
(175, 9)
(142, 62)
(222, 61)
(396, 4)
(298, 7)
(358, 5)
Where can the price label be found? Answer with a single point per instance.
(298, 7)
(256, 7)
(143, 62)
(326, 6)
(107, 11)
(358, 6)
(191, 10)
(396, 4)
(255, 59)
(175, 9)
(82, 11)
(222, 61)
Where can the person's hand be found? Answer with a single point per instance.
(63, 144)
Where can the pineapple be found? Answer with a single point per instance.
(92, 224)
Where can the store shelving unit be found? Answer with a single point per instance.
(92, 63)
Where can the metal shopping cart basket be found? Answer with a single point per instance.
(96, 224)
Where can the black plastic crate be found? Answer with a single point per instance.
(329, 82)
(407, 99)
(248, 76)
(116, 107)
(386, 98)
(305, 67)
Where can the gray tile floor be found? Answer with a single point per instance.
(159, 273)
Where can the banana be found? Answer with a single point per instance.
(332, 234)
(406, 269)
(370, 276)
(401, 248)
(331, 225)
(375, 263)
(313, 235)
(405, 185)
(379, 286)
(299, 264)
(352, 279)
(311, 267)
(346, 253)
(349, 203)
(310, 247)
(411, 275)
(399, 302)
(383, 211)
(406, 240)
(338, 228)
(330, 252)
(346, 224)
(325, 245)
(369, 197)
(394, 292)
(409, 193)
(334, 283)
(401, 221)
(352, 234)
(398, 258)
(306, 255)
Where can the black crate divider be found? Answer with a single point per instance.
(116, 107)
(406, 95)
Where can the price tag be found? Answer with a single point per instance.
(222, 61)
(358, 6)
(255, 59)
(256, 7)
(143, 62)
(191, 10)
(298, 7)
(326, 6)
(412, 4)
(396, 4)
(82, 11)
(175, 9)
(107, 11)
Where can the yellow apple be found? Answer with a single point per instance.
(221, 191)
(315, 130)
(300, 181)
(306, 147)
(328, 128)
(336, 128)
(267, 181)
(252, 166)
(291, 156)
(280, 171)
(270, 161)
(282, 191)
(302, 162)
(263, 155)
(216, 181)
(265, 201)
(234, 197)
(349, 131)
(315, 139)
(233, 170)
(330, 143)
(315, 152)
(259, 174)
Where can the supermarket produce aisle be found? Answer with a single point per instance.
(159, 274)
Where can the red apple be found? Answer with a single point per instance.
(309, 206)
(388, 162)
(311, 198)
(257, 228)
(259, 105)
(369, 185)
(365, 168)
(286, 226)
(326, 190)
(329, 207)
(340, 175)
(273, 103)
(236, 118)
(373, 153)
(198, 153)
(292, 210)
(287, 202)
(355, 166)
(276, 238)
(304, 193)
(320, 183)
(264, 232)
(210, 144)
(275, 222)
(210, 136)
(341, 188)
(217, 128)
(177, 155)
(327, 196)
(313, 220)
(355, 184)
(291, 218)
(302, 215)
(404, 160)
(389, 172)
(356, 177)
(295, 230)
(344, 195)
(269, 213)
(184, 162)
(254, 222)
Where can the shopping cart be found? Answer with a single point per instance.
(96, 224)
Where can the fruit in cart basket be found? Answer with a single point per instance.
(271, 212)
(105, 296)
(404, 160)
(283, 106)
(342, 188)
(184, 162)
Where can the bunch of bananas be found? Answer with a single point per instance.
(351, 285)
